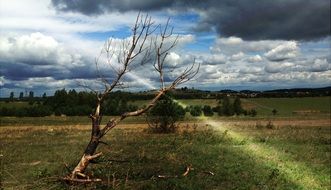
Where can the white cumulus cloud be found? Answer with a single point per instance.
(36, 49)
(283, 51)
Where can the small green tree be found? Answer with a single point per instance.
(207, 110)
(226, 108)
(252, 112)
(162, 118)
(237, 109)
(196, 111)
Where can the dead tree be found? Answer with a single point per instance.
(148, 44)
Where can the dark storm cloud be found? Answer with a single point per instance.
(19, 71)
(260, 19)
(250, 20)
(97, 7)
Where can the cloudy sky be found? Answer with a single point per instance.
(47, 45)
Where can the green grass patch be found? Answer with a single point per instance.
(290, 106)
(240, 157)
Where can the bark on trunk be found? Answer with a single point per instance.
(89, 153)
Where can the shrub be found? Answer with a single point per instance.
(252, 112)
(207, 111)
(227, 108)
(196, 111)
(237, 109)
(163, 117)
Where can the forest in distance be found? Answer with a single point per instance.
(73, 103)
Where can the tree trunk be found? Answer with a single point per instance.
(89, 153)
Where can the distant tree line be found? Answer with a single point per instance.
(70, 103)
(81, 103)
(73, 103)
(191, 93)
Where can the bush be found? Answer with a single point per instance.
(227, 108)
(163, 116)
(252, 112)
(237, 109)
(207, 111)
(195, 111)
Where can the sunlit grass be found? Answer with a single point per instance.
(297, 172)
(293, 170)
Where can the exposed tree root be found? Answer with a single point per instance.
(77, 175)
(188, 169)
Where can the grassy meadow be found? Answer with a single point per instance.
(285, 151)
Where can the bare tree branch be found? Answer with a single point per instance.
(127, 57)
